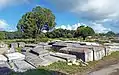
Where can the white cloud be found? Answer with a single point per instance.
(5, 3)
(97, 11)
(89, 9)
(99, 28)
(3, 24)
(104, 20)
(70, 27)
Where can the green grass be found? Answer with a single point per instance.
(63, 67)
(8, 41)
(113, 55)
(18, 49)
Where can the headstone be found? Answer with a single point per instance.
(11, 50)
(21, 44)
(14, 45)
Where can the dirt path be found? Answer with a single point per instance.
(110, 70)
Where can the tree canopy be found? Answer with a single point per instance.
(32, 23)
(2, 35)
(110, 33)
(13, 35)
(84, 31)
(56, 33)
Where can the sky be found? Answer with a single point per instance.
(101, 15)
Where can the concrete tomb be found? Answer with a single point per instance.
(15, 56)
(14, 45)
(22, 66)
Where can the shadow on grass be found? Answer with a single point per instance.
(5, 71)
(38, 72)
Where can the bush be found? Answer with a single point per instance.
(2, 35)
(42, 35)
(41, 40)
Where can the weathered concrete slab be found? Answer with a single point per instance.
(43, 43)
(83, 53)
(39, 51)
(31, 45)
(26, 49)
(41, 60)
(64, 56)
(33, 59)
(3, 48)
(48, 60)
(48, 47)
(112, 47)
(15, 56)
(99, 52)
(22, 66)
(4, 64)
(3, 58)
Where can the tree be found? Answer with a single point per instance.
(13, 35)
(56, 33)
(117, 34)
(84, 32)
(2, 35)
(69, 35)
(32, 23)
(110, 34)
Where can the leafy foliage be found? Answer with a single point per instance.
(2, 35)
(84, 32)
(110, 33)
(32, 23)
(62, 33)
(13, 35)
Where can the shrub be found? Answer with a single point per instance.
(41, 40)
